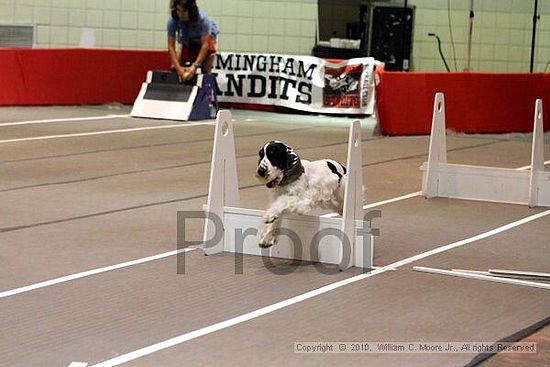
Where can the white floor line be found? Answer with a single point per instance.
(88, 273)
(93, 133)
(277, 306)
(389, 201)
(380, 203)
(524, 168)
(89, 118)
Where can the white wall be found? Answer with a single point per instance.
(246, 25)
(502, 31)
(501, 37)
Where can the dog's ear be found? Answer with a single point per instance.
(292, 158)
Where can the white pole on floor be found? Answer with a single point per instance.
(481, 277)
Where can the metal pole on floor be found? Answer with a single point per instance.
(535, 19)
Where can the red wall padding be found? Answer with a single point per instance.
(75, 76)
(474, 102)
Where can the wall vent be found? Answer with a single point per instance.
(16, 35)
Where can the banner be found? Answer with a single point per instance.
(303, 83)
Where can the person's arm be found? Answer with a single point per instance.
(203, 54)
(174, 58)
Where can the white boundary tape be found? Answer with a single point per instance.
(380, 203)
(68, 119)
(88, 273)
(105, 132)
(529, 166)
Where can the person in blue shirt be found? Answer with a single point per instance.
(196, 32)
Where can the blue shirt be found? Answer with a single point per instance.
(190, 33)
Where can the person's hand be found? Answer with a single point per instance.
(182, 73)
(186, 73)
(191, 71)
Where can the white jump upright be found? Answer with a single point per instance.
(240, 226)
(539, 181)
(223, 189)
(504, 185)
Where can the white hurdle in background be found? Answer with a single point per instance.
(223, 201)
(441, 179)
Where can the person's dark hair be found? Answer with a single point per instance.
(189, 5)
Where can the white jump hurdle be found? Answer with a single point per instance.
(242, 225)
(441, 179)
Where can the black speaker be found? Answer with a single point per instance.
(389, 31)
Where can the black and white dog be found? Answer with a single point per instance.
(297, 186)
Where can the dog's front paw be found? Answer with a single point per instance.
(269, 218)
(267, 240)
(265, 244)
(267, 236)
